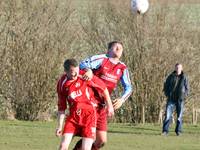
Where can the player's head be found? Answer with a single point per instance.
(178, 68)
(71, 68)
(115, 49)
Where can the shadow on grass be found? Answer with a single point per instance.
(144, 131)
(135, 132)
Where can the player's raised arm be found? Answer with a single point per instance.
(110, 109)
(127, 87)
(99, 85)
(91, 63)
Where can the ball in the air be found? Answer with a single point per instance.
(139, 6)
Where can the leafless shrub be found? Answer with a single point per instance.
(153, 43)
(35, 37)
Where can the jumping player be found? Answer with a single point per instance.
(79, 94)
(110, 69)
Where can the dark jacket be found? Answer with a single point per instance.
(182, 87)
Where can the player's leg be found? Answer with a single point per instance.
(101, 138)
(78, 145)
(69, 130)
(87, 143)
(101, 133)
(66, 139)
(88, 131)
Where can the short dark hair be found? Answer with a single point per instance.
(110, 44)
(70, 62)
(177, 64)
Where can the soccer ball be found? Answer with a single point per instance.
(139, 6)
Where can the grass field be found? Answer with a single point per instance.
(20, 135)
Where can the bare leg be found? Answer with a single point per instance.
(78, 145)
(66, 139)
(101, 139)
(87, 143)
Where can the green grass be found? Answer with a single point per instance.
(20, 135)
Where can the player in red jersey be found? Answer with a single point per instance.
(110, 69)
(79, 94)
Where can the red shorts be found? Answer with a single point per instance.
(81, 122)
(101, 119)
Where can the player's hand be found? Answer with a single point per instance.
(58, 132)
(117, 103)
(88, 75)
(110, 111)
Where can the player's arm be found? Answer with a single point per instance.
(110, 109)
(99, 85)
(61, 108)
(91, 63)
(61, 118)
(127, 87)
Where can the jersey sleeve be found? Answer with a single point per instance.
(93, 62)
(126, 83)
(62, 106)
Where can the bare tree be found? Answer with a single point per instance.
(153, 43)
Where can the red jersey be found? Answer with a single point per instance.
(110, 73)
(78, 93)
